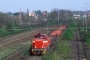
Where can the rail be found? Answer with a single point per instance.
(13, 54)
(81, 50)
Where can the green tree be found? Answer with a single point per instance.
(16, 13)
(39, 12)
(9, 27)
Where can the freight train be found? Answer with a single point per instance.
(42, 42)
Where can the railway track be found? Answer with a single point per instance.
(35, 58)
(52, 48)
(19, 38)
(7, 38)
(15, 55)
(81, 49)
(13, 35)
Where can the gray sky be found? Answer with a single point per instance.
(14, 5)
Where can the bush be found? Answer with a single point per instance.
(61, 52)
(68, 35)
(4, 32)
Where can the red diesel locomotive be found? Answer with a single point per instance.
(41, 42)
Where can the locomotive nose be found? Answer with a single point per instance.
(39, 51)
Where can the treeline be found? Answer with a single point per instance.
(7, 24)
(84, 32)
(11, 23)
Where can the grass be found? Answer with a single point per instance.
(15, 47)
(5, 32)
(62, 51)
(6, 51)
(62, 46)
(49, 56)
(85, 36)
(68, 35)
(88, 42)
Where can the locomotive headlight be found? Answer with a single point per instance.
(33, 41)
(32, 49)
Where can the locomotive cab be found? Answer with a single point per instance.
(40, 44)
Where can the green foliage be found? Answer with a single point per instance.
(62, 51)
(88, 41)
(9, 27)
(4, 32)
(7, 31)
(15, 30)
(25, 53)
(2, 14)
(8, 50)
(50, 23)
(39, 12)
(68, 35)
(86, 36)
(17, 13)
(72, 25)
(49, 56)
(14, 48)
(15, 24)
(62, 14)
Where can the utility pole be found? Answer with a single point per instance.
(66, 15)
(27, 13)
(83, 18)
(58, 15)
(86, 16)
(47, 23)
(86, 19)
(20, 17)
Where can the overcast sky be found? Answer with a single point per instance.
(15, 5)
